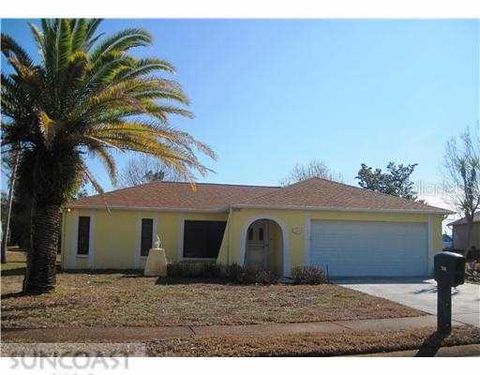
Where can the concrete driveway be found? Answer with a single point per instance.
(421, 294)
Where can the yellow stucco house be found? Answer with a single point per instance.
(345, 229)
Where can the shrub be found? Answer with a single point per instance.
(210, 270)
(308, 275)
(233, 273)
(264, 276)
(472, 271)
(193, 269)
(248, 275)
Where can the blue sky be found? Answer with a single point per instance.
(270, 93)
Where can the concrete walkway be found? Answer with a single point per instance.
(141, 334)
(421, 294)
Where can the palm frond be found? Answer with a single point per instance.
(47, 127)
(89, 94)
(39, 39)
(79, 34)
(108, 161)
(146, 66)
(122, 42)
(10, 48)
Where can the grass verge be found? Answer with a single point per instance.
(426, 341)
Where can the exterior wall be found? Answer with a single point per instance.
(233, 249)
(460, 236)
(296, 232)
(115, 237)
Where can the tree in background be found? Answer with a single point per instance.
(314, 168)
(9, 169)
(462, 176)
(87, 95)
(146, 169)
(396, 181)
(82, 191)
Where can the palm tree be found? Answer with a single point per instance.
(87, 96)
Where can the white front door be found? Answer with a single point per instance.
(257, 244)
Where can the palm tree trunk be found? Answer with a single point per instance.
(42, 251)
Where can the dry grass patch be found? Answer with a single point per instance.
(425, 340)
(120, 299)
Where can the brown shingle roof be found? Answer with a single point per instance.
(476, 219)
(311, 193)
(318, 192)
(175, 195)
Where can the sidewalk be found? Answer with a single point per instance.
(141, 334)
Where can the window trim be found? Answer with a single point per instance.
(153, 235)
(72, 260)
(87, 255)
(139, 258)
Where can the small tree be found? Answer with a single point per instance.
(394, 182)
(145, 169)
(314, 168)
(462, 176)
(9, 167)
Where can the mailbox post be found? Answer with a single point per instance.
(449, 271)
(444, 308)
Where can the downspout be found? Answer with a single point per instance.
(230, 217)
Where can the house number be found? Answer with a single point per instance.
(297, 230)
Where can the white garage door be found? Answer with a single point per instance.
(349, 248)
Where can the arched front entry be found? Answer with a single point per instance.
(264, 244)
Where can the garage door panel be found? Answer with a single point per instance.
(369, 248)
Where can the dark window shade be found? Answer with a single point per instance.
(260, 234)
(202, 239)
(147, 237)
(83, 243)
(214, 237)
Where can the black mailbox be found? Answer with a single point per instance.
(448, 271)
(449, 268)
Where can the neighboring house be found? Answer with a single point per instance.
(348, 230)
(459, 233)
(447, 241)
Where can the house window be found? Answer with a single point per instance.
(260, 234)
(146, 237)
(250, 234)
(202, 239)
(83, 240)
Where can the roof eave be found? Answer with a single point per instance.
(439, 211)
(461, 223)
(139, 208)
(226, 209)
